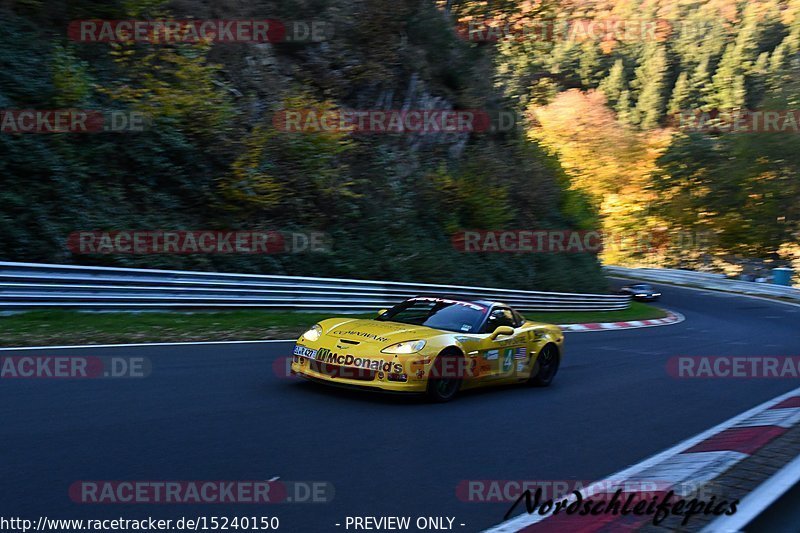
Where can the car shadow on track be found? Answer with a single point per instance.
(323, 391)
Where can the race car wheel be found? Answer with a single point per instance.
(547, 364)
(445, 378)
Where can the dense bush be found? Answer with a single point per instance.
(211, 159)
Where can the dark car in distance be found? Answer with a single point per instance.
(641, 292)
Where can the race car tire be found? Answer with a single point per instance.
(546, 366)
(443, 382)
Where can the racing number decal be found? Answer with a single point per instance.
(508, 359)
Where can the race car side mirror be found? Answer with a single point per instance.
(502, 330)
(382, 311)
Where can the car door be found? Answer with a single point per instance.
(500, 357)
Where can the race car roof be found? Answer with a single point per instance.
(479, 301)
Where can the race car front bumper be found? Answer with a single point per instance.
(349, 376)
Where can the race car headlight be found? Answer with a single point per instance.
(404, 347)
(314, 333)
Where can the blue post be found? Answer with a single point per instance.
(782, 276)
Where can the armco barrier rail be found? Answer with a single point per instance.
(705, 280)
(39, 286)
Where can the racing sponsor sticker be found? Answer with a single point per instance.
(521, 353)
(492, 355)
(302, 351)
(326, 356)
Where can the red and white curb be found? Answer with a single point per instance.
(671, 318)
(691, 463)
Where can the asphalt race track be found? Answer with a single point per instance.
(219, 412)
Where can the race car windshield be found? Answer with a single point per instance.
(447, 315)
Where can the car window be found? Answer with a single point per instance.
(518, 319)
(499, 317)
(437, 313)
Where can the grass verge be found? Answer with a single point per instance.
(51, 328)
(637, 311)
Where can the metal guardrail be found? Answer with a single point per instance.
(704, 280)
(40, 286)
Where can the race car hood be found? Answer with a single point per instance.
(374, 332)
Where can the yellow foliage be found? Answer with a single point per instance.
(274, 166)
(173, 81)
(607, 160)
(248, 184)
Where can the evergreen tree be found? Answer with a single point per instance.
(681, 94)
(778, 59)
(651, 79)
(738, 61)
(623, 107)
(728, 81)
(701, 85)
(590, 65)
(615, 83)
(758, 80)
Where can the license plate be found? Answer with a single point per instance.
(302, 351)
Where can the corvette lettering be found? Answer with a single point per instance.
(362, 334)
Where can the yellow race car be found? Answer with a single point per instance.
(433, 345)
